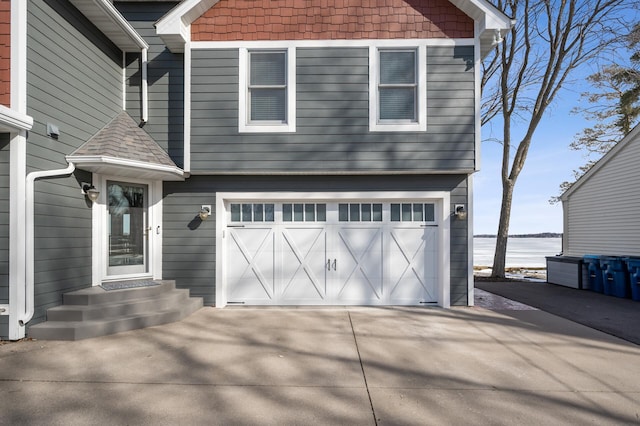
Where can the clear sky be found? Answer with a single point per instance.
(549, 163)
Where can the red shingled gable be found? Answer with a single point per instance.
(5, 52)
(331, 20)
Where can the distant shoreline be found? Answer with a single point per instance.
(540, 235)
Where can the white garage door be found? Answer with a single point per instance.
(324, 253)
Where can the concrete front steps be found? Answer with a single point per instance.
(94, 312)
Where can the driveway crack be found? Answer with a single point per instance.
(364, 375)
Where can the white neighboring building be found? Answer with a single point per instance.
(601, 212)
(602, 208)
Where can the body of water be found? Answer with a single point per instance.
(521, 252)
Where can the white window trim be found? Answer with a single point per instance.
(244, 125)
(375, 125)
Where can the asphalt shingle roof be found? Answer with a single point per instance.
(123, 138)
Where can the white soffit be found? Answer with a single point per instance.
(493, 23)
(173, 28)
(106, 17)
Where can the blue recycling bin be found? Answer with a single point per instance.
(633, 266)
(594, 272)
(615, 278)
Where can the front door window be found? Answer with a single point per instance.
(127, 228)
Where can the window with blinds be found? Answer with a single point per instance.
(268, 86)
(398, 89)
(398, 85)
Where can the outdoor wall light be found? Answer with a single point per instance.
(460, 211)
(90, 191)
(204, 212)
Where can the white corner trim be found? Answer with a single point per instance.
(19, 56)
(17, 225)
(244, 126)
(374, 77)
(477, 88)
(470, 215)
(187, 109)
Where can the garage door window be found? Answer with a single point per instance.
(413, 212)
(250, 212)
(298, 212)
(356, 212)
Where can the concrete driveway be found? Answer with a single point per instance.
(356, 366)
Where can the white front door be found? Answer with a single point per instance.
(331, 253)
(127, 228)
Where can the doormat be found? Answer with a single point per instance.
(121, 285)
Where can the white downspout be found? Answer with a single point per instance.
(145, 91)
(29, 304)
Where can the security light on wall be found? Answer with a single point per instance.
(204, 212)
(460, 211)
(90, 192)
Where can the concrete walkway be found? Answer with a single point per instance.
(360, 366)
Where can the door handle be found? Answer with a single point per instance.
(335, 264)
(328, 264)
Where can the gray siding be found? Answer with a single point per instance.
(189, 245)
(165, 79)
(75, 82)
(332, 117)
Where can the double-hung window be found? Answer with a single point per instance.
(267, 90)
(397, 89)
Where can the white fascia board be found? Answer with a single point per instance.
(634, 134)
(491, 23)
(483, 10)
(114, 20)
(121, 22)
(90, 162)
(279, 44)
(174, 27)
(12, 121)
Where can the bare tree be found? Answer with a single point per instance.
(524, 74)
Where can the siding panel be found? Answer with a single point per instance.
(74, 82)
(189, 250)
(165, 77)
(332, 117)
(601, 212)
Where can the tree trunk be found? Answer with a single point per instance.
(499, 258)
